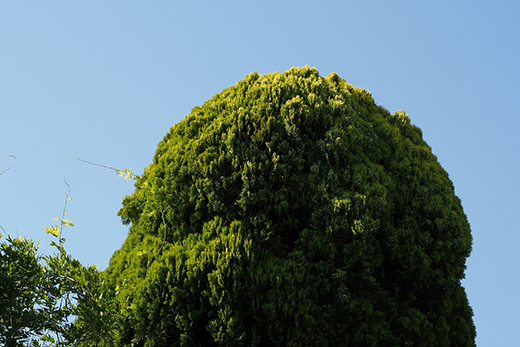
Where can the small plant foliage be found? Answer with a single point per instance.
(52, 300)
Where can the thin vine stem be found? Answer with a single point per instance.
(13, 164)
(128, 172)
(64, 211)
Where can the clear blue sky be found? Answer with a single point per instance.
(105, 80)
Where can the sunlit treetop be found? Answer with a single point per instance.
(291, 209)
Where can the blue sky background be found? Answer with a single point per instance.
(105, 80)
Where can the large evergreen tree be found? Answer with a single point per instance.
(291, 210)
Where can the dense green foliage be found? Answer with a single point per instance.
(291, 210)
(20, 273)
(52, 300)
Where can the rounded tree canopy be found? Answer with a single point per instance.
(291, 210)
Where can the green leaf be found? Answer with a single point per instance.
(53, 230)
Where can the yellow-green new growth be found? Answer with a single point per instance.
(53, 230)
